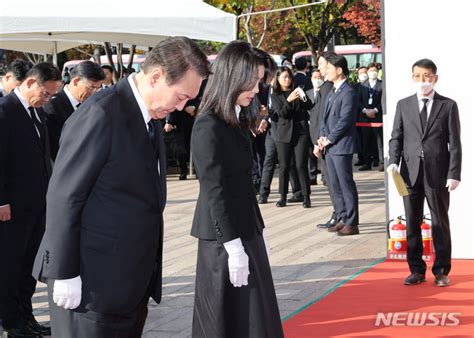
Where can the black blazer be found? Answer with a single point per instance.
(283, 115)
(303, 81)
(25, 166)
(440, 143)
(317, 111)
(226, 207)
(58, 110)
(363, 96)
(105, 205)
(338, 123)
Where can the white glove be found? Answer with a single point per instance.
(452, 184)
(267, 245)
(67, 292)
(392, 168)
(238, 262)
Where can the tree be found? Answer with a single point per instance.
(364, 15)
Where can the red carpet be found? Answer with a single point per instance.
(351, 309)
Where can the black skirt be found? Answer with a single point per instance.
(222, 310)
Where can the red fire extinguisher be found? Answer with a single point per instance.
(398, 236)
(426, 236)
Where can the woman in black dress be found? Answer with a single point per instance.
(235, 295)
(291, 133)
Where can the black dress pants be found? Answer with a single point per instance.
(438, 203)
(372, 140)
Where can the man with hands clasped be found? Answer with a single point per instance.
(426, 147)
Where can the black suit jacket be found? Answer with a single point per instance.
(58, 110)
(105, 205)
(363, 96)
(317, 111)
(338, 123)
(440, 143)
(226, 208)
(303, 81)
(25, 166)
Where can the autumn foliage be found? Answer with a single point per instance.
(364, 15)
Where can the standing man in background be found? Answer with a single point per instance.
(426, 147)
(86, 79)
(25, 169)
(109, 76)
(101, 255)
(14, 75)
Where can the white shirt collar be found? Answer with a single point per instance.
(336, 87)
(429, 97)
(72, 99)
(237, 110)
(372, 83)
(22, 99)
(141, 103)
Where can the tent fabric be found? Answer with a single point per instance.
(40, 23)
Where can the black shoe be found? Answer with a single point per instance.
(359, 163)
(381, 168)
(441, 280)
(40, 329)
(306, 202)
(365, 167)
(415, 278)
(183, 177)
(313, 182)
(294, 199)
(262, 199)
(281, 203)
(24, 332)
(332, 222)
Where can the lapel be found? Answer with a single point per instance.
(66, 106)
(435, 109)
(139, 132)
(329, 105)
(26, 120)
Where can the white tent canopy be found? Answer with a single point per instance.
(50, 26)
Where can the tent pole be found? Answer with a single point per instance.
(55, 53)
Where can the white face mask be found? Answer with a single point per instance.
(373, 75)
(363, 77)
(317, 83)
(424, 88)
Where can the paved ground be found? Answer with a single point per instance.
(306, 262)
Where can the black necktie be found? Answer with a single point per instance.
(424, 115)
(38, 125)
(152, 135)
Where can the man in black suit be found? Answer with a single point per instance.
(315, 117)
(426, 144)
(109, 76)
(86, 79)
(337, 141)
(370, 111)
(300, 78)
(15, 74)
(101, 255)
(25, 168)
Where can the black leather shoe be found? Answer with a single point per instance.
(348, 230)
(313, 182)
(381, 168)
(24, 332)
(336, 227)
(262, 199)
(183, 177)
(281, 203)
(306, 202)
(441, 280)
(294, 199)
(415, 278)
(332, 222)
(359, 163)
(365, 167)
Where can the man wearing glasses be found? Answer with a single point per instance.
(86, 79)
(25, 168)
(426, 144)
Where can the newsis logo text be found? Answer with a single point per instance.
(418, 319)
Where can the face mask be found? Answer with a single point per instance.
(373, 75)
(317, 83)
(363, 77)
(424, 88)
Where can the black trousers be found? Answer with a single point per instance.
(21, 237)
(313, 163)
(297, 149)
(81, 323)
(268, 169)
(372, 140)
(438, 203)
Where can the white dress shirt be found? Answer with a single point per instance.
(26, 105)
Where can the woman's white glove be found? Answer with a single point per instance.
(392, 168)
(238, 262)
(67, 292)
(267, 245)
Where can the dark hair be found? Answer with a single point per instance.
(19, 68)
(362, 67)
(339, 61)
(176, 55)
(301, 63)
(266, 61)
(108, 67)
(372, 65)
(276, 84)
(234, 71)
(44, 72)
(425, 63)
(88, 70)
(328, 54)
